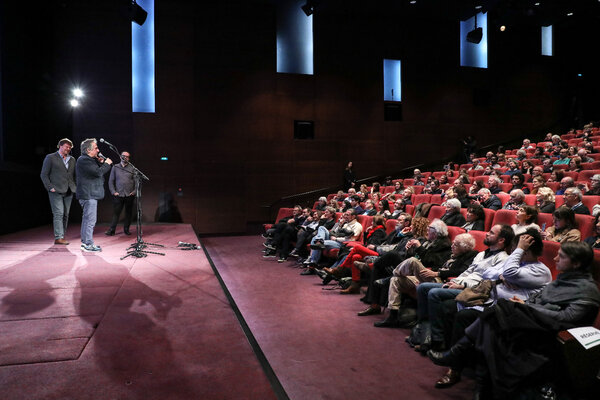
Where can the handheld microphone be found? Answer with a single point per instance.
(104, 141)
(100, 155)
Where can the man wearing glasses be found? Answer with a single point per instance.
(122, 188)
(572, 198)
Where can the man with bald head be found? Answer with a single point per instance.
(565, 183)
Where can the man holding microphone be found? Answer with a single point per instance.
(90, 170)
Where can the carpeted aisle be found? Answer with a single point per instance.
(79, 325)
(314, 341)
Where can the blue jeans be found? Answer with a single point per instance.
(88, 220)
(430, 297)
(60, 205)
(322, 234)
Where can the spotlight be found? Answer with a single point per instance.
(77, 92)
(74, 103)
(137, 13)
(502, 28)
(309, 7)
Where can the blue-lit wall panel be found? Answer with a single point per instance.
(391, 80)
(142, 61)
(547, 40)
(294, 38)
(471, 54)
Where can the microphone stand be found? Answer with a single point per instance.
(137, 249)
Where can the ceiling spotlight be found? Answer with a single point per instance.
(415, 1)
(569, 14)
(536, 4)
(74, 103)
(77, 92)
(478, 7)
(137, 13)
(476, 34)
(502, 28)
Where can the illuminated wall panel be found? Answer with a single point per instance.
(547, 41)
(142, 61)
(391, 80)
(294, 38)
(472, 54)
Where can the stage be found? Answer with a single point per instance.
(78, 325)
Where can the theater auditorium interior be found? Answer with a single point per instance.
(242, 113)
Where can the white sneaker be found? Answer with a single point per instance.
(90, 248)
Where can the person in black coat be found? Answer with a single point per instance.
(488, 200)
(594, 240)
(573, 198)
(349, 177)
(90, 171)
(475, 220)
(453, 217)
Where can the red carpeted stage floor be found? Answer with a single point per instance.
(77, 325)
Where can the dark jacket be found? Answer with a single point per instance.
(455, 267)
(453, 219)
(375, 236)
(478, 225)
(90, 178)
(493, 203)
(548, 208)
(369, 213)
(434, 254)
(56, 176)
(581, 209)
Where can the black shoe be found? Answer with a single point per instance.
(269, 254)
(265, 236)
(308, 271)
(282, 259)
(390, 322)
(109, 232)
(369, 311)
(126, 231)
(325, 276)
(453, 357)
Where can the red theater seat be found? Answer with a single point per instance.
(504, 198)
(489, 218)
(390, 225)
(530, 199)
(590, 201)
(436, 212)
(421, 198)
(454, 231)
(479, 238)
(545, 220)
(436, 199)
(282, 213)
(585, 224)
(418, 189)
(506, 217)
(548, 254)
(410, 209)
(587, 174)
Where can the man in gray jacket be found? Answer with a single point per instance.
(122, 188)
(90, 178)
(58, 176)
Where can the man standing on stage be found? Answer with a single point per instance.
(57, 174)
(122, 188)
(90, 171)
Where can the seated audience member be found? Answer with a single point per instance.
(375, 187)
(565, 183)
(488, 200)
(494, 185)
(518, 182)
(384, 209)
(555, 140)
(460, 194)
(475, 165)
(538, 182)
(431, 295)
(335, 205)
(572, 151)
(450, 173)
(418, 180)
(443, 180)
(433, 188)
(539, 153)
(513, 168)
(398, 187)
(575, 164)
(325, 219)
(594, 240)
(517, 199)
(589, 146)
(583, 154)
(349, 229)
(521, 155)
(488, 157)
(521, 275)
(369, 209)
(572, 197)
(556, 175)
(495, 342)
(374, 236)
(494, 162)
(547, 165)
(463, 179)
(322, 204)
(501, 157)
(537, 171)
(363, 191)
(340, 196)
(407, 195)
(594, 189)
(417, 174)
(487, 171)
(296, 219)
(388, 181)
(526, 218)
(285, 234)
(562, 157)
(431, 254)
(527, 167)
(354, 204)
(475, 220)
(476, 187)
(377, 292)
(527, 145)
(453, 217)
(399, 208)
(545, 200)
(564, 228)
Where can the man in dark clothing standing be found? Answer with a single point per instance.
(122, 187)
(57, 174)
(90, 171)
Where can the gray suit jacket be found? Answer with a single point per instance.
(55, 175)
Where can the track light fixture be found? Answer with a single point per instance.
(137, 13)
(476, 34)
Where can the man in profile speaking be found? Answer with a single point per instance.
(90, 170)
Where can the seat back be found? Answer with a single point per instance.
(590, 201)
(548, 254)
(454, 231)
(504, 198)
(585, 224)
(489, 218)
(530, 199)
(545, 220)
(390, 225)
(505, 217)
(479, 237)
(421, 198)
(436, 212)
(436, 199)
